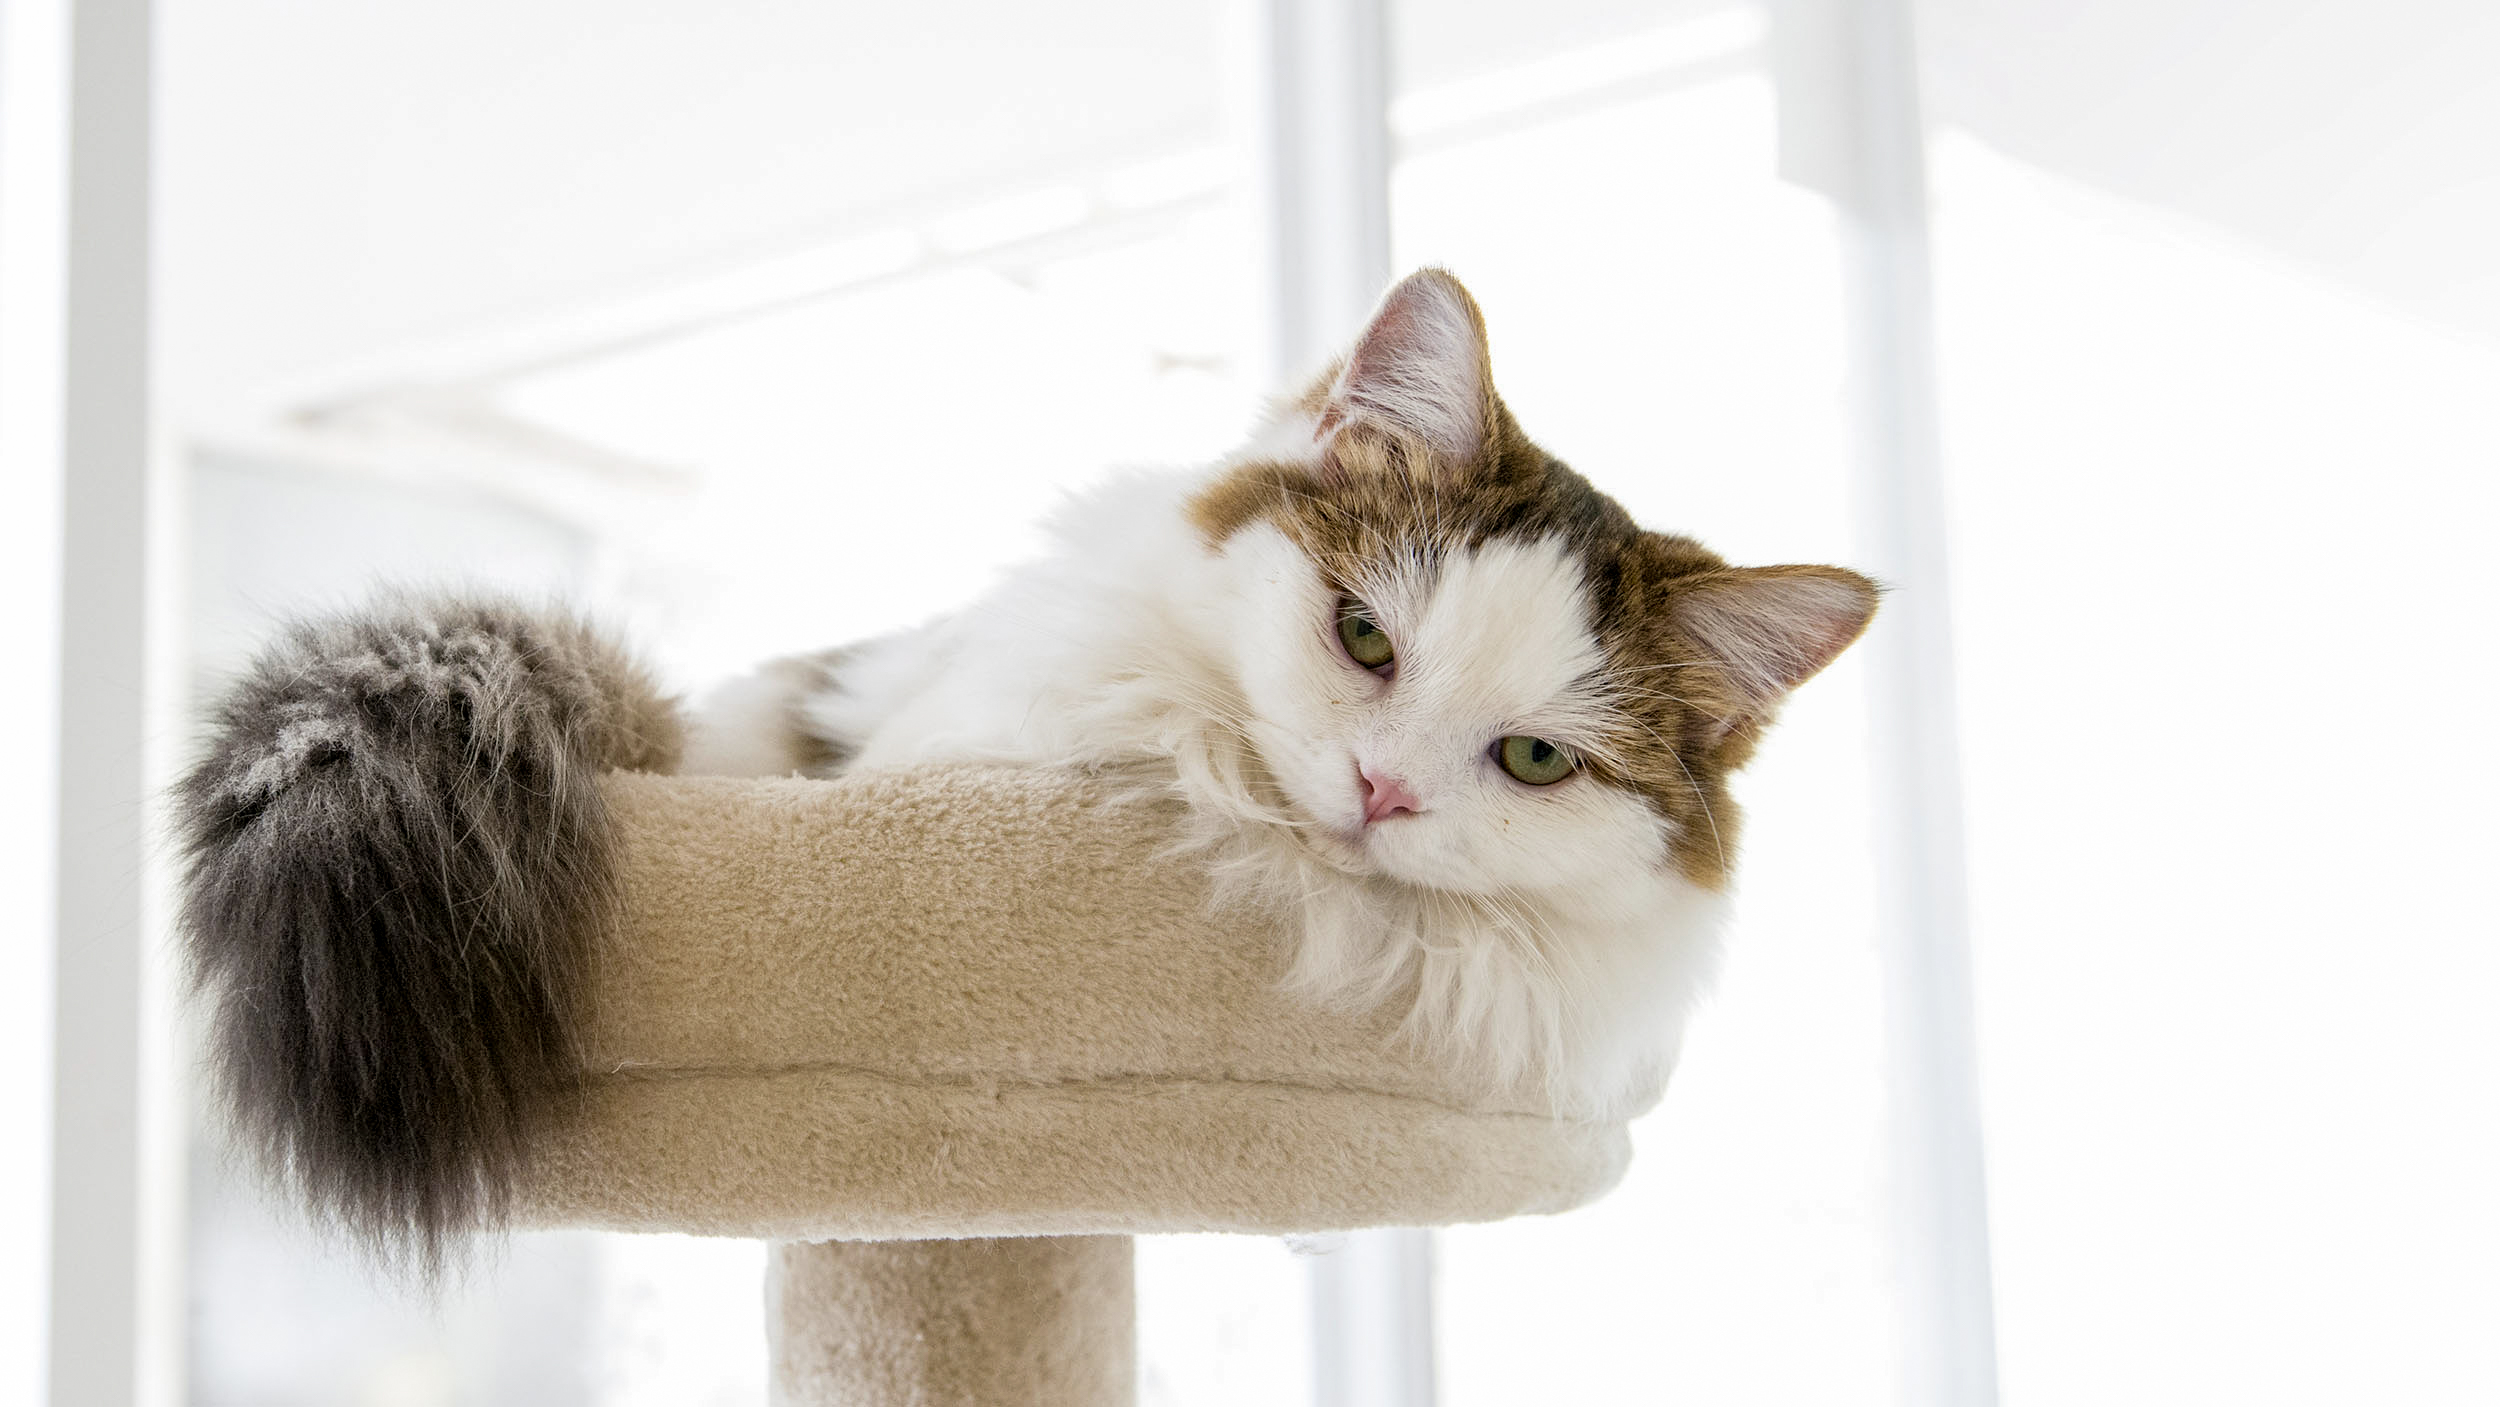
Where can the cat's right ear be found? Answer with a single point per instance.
(1419, 371)
(1770, 629)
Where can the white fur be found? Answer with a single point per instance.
(742, 730)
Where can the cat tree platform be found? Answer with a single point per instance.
(949, 1039)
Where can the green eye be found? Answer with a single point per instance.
(1363, 637)
(1534, 760)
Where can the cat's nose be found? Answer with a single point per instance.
(1385, 796)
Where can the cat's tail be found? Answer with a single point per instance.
(399, 862)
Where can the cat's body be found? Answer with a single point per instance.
(1112, 654)
(1411, 680)
(1183, 630)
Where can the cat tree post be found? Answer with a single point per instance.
(1038, 1321)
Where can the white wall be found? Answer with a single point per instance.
(343, 178)
(2223, 545)
(2360, 138)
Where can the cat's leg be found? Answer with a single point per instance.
(815, 714)
(761, 724)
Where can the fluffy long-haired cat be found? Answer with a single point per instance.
(1415, 678)
(1417, 683)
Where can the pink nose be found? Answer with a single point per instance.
(1385, 796)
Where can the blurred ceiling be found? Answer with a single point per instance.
(339, 178)
(2358, 137)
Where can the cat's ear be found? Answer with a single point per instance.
(1770, 629)
(1420, 370)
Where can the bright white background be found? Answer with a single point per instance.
(2224, 543)
(2218, 292)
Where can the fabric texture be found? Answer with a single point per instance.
(1041, 1321)
(989, 1002)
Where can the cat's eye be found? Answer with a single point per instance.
(1534, 760)
(1362, 636)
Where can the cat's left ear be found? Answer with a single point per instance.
(1420, 370)
(1770, 629)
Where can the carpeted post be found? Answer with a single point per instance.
(1030, 1321)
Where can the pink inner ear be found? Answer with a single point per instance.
(1418, 369)
(1773, 628)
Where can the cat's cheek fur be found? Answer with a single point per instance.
(1274, 613)
(1578, 832)
(1584, 993)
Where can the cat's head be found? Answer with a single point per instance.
(1467, 668)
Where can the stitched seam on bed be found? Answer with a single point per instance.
(659, 1074)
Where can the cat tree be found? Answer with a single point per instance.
(949, 1039)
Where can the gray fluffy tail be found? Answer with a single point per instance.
(399, 864)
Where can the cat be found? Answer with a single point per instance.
(1416, 681)
(1413, 681)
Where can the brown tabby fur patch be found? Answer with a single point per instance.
(1685, 723)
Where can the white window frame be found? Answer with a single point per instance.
(75, 390)
(1853, 128)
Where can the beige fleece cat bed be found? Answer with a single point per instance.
(981, 1003)
(948, 1037)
